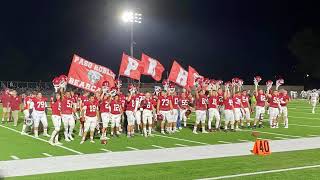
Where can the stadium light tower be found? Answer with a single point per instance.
(131, 17)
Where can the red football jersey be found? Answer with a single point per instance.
(5, 98)
(236, 101)
(91, 108)
(105, 106)
(213, 101)
(131, 105)
(115, 107)
(201, 103)
(274, 101)
(164, 103)
(147, 104)
(67, 105)
(284, 99)
(245, 101)
(228, 103)
(175, 102)
(15, 103)
(56, 108)
(261, 100)
(39, 104)
(123, 100)
(184, 103)
(26, 102)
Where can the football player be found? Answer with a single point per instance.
(67, 110)
(116, 112)
(201, 110)
(140, 97)
(131, 109)
(105, 114)
(164, 107)
(56, 119)
(175, 107)
(184, 105)
(274, 108)
(237, 104)
(314, 99)
(260, 107)
(91, 111)
(83, 99)
(27, 111)
(147, 115)
(228, 111)
(213, 110)
(39, 114)
(246, 108)
(284, 99)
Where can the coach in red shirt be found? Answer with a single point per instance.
(5, 98)
(15, 102)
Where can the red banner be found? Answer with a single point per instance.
(192, 76)
(178, 75)
(131, 67)
(152, 67)
(87, 75)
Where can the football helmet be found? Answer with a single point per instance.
(56, 83)
(113, 91)
(160, 117)
(105, 86)
(29, 121)
(172, 87)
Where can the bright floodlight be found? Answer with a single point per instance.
(129, 16)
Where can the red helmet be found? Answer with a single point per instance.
(219, 82)
(212, 81)
(269, 82)
(280, 81)
(240, 82)
(56, 81)
(63, 78)
(172, 87)
(257, 78)
(160, 117)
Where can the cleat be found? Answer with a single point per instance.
(52, 143)
(67, 139)
(81, 142)
(194, 132)
(162, 132)
(92, 141)
(23, 133)
(70, 137)
(205, 132)
(58, 143)
(46, 135)
(286, 127)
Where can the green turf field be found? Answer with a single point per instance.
(301, 124)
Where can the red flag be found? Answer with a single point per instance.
(178, 75)
(192, 76)
(87, 75)
(131, 67)
(152, 67)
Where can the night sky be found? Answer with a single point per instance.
(221, 39)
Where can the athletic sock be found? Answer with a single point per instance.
(150, 130)
(145, 131)
(36, 133)
(209, 124)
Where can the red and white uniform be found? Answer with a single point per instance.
(201, 109)
(245, 105)
(39, 114)
(116, 109)
(91, 109)
(260, 106)
(67, 115)
(184, 105)
(175, 106)
(147, 115)
(164, 108)
(284, 99)
(105, 112)
(27, 105)
(213, 110)
(131, 109)
(140, 97)
(228, 110)
(237, 107)
(274, 107)
(56, 114)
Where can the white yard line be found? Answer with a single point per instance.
(132, 148)
(69, 149)
(262, 172)
(105, 150)
(25, 167)
(300, 117)
(225, 142)
(242, 140)
(160, 147)
(279, 134)
(313, 135)
(14, 157)
(303, 125)
(180, 139)
(46, 154)
(182, 145)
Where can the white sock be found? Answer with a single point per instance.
(56, 138)
(185, 123)
(195, 128)
(53, 135)
(145, 131)
(209, 124)
(203, 128)
(45, 131)
(36, 133)
(232, 126)
(24, 128)
(150, 130)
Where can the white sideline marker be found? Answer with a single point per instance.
(105, 150)
(313, 135)
(225, 142)
(132, 148)
(303, 125)
(46, 154)
(15, 157)
(262, 172)
(160, 147)
(182, 145)
(186, 140)
(77, 152)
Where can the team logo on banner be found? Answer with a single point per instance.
(88, 75)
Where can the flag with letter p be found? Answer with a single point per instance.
(131, 67)
(192, 76)
(152, 67)
(88, 75)
(178, 75)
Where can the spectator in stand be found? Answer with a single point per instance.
(5, 98)
(15, 102)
